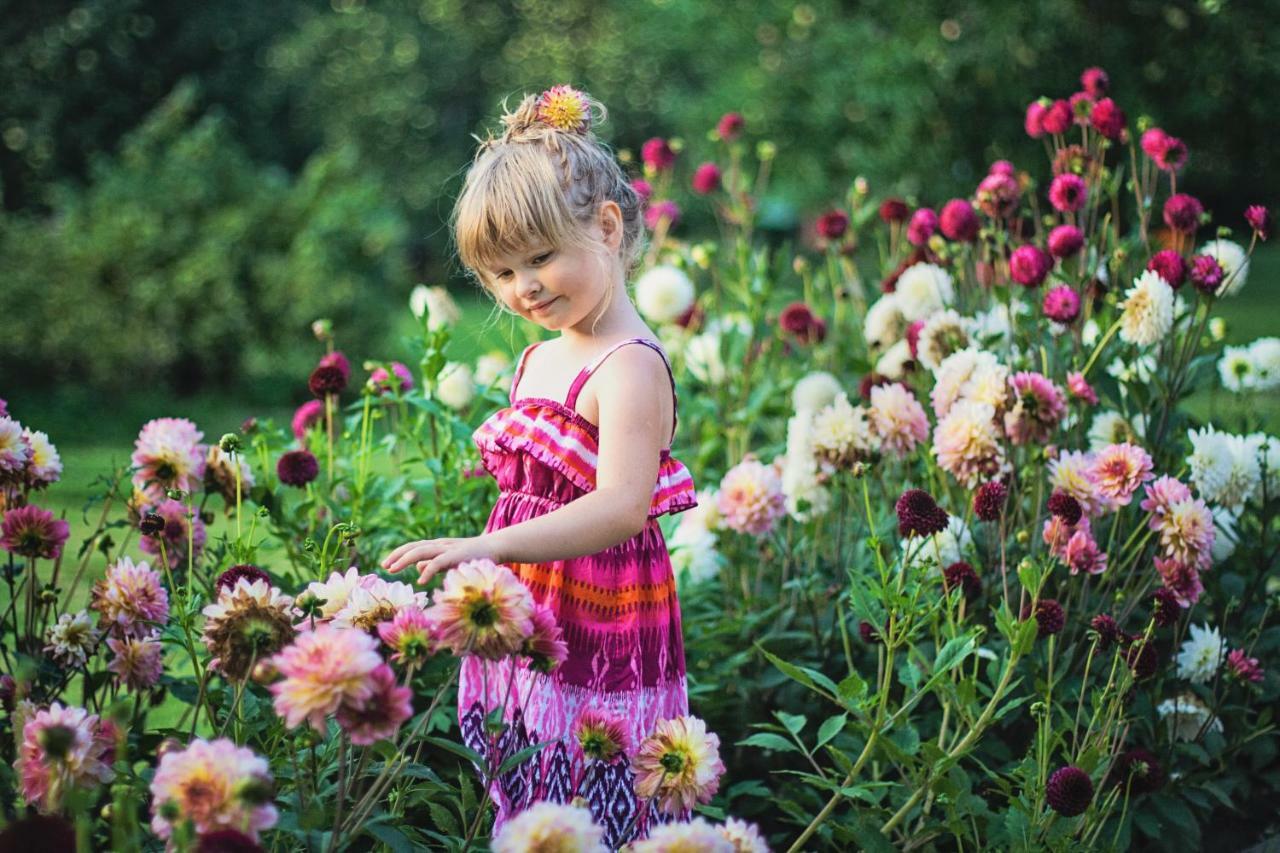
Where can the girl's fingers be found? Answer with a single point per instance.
(397, 553)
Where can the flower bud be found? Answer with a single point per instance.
(322, 329)
(1023, 537)
(1217, 328)
(766, 150)
(264, 672)
(231, 443)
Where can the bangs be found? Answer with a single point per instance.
(511, 202)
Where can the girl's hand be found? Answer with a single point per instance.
(434, 555)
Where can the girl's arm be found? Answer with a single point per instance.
(635, 417)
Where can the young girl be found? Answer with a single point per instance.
(551, 226)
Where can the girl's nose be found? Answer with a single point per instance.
(527, 284)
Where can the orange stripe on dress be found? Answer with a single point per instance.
(539, 574)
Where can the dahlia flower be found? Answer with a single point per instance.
(1119, 470)
(750, 499)
(1082, 554)
(297, 468)
(1161, 495)
(1259, 219)
(168, 455)
(1049, 615)
(44, 465)
(1244, 667)
(1201, 654)
(1065, 507)
(1170, 266)
(63, 748)
(1165, 608)
(374, 600)
(30, 531)
(323, 670)
(493, 369)
(436, 305)
(455, 386)
(814, 391)
(601, 734)
(693, 836)
(1065, 240)
(564, 108)
(547, 826)
(798, 321)
(1069, 791)
(1033, 121)
(482, 609)
(949, 545)
(678, 765)
(643, 189)
(942, 334)
(885, 322)
(918, 514)
(730, 126)
(1181, 579)
(1095, 81)
(228, 579)
(1182, 213)
(1236, 369)
(745, 837)
(959, 221)
(898, 419)
(1147, 310)
(706, 179)
(130, 599)
(380, 715)
(1152, 142)
(1234, 262)
(71, 639)
(248, 623)
(663, 293)
(306, 415)
(923, 289)
(896, 362)
(1107, 118)
(381, 378)
(923, 224)
(894, 210)
(14, 450)
(1068, 193)
(998, 195)
(1038, 407)
(694, 556)
(970, 374)
(1187, 532)
(657, 154)
(138, 661)
(545, 647)
(1225, 468)
(1187, 715)
(175, 534)
(1028, 265)
(216, 785)
(410, 635)
(1081, 389)
(1057, 118)
(332, 594)
(1139, 769)
(960, 575)
(966, 443)
(840, 435)
(328, 379)
(1110, 427)
(988, 500)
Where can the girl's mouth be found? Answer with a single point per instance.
(540, 309)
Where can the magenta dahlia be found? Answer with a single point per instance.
(1182, 213)
(1172, 155)
(660, 211)
(658, 154)
(894, 210)
(1259, 219)
(1081, 389)
(1107, 118)
(1028, 265)
(1057, 118)
(30, 531)
(1033, 122)
(998, 195)
(706, 179)
(1002, 167)
(1095, 81)
(1061, 304)
(1068, 193)
(643, 189)
(923, 224)
(730, 126)
(1244, 667)
(1207, 274)
(959, 221)
(1170, 266)
(308, 414)
(1065, 241)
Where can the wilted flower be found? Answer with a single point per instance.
(546, 826)
(138, 661)
(380, 715)
(601, 734)
(214, 784)
(678, 765)
(750, 498)
(72, 638)
(63, 748)
(168, 455)
(248, 623)
(1147, 311)
(663, 293)
(482, 609)
(1201, 654)
(130, 599)
(30, 531)
(1069, 791)
(323, 670)
(297, 468)
(175, 535)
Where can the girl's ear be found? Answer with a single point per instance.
(610, 221)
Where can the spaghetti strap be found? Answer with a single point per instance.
(515, 380)
(583, 375)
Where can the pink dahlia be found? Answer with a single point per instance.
(1182, 213)
(898, 419)
(1073, 472)
(1002, 167)
(545, 647)
(661, 211)
(679, 765)
(1058, 531)
(1068, 193)
(44, 465)
(1172, 155)
(1207, 274)
(1062, 303)
(998, 196)
(601, 734)
(1095, 81)
(1244, 667)
(923, 224)
(832, 225)
(1033, 122)
(1081, 389)
(381, 379)
(374, 601)
(1065, 241)
(168, 455)
(1187, 532)
(307, 415)
(1181, 579)
(381, 714)
(1082, 554)
(1259, 219)
(63, 748)
(1152, 142)
(1037, 409)
(484, 610)
(1170, 266)
(138, 661)
(323, 670)
(175, 534)
(959, 221)
(131, 600)
(1028, 265)
(643, 189)
(1107, 118)
(1161, 495)
(730, 126)
(1057, 118)
(15, 451)
(966, 443)
(750, 498)
(658, 154)
(30, 531)
(1119, 470)
(706, 179)
(216, 785)
(410, 635)
(1081, 106)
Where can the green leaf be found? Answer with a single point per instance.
(815, 681)
(443, 818)
(521, 756)
(953, 653)
(457, 749)
(390, 836)
(831, 727)
(794, 722)
(769, 740)
(851, 687)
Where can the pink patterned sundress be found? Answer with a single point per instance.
(617, 608)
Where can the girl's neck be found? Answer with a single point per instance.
(617, 321)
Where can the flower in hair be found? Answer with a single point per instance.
(564, 108)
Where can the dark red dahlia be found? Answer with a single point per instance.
(1207, 274)
(1182, 213)
(1259, 219)
(924, 222)
(1164, 607)
(988, 501)
(297, 468)
(657, 154)
(49, 833)
(832, 224)
(326, 379)
(1028, 265)
(961, 574)
(1057, 117)
(959, 221)
(801, 323)
(1142, 658)
(338, 360)
(706, 179)
(1170, 266)
(1065, 507)
(919, 514)
(1107, 118)
(1069, 791)
(228, 579)
(1095, 81)
(1050, 617)
(894, 210)
(1107, 630)
(730, 126)
(1138, 768)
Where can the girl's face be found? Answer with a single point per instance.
(559, 287)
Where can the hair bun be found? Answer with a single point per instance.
(560, 108)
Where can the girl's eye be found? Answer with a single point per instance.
(542, 259)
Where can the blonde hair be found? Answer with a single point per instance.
(536, 185)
